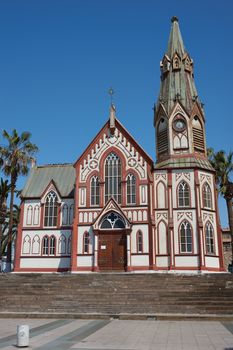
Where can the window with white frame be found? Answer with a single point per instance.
(51, 209)
(186, 240)
(183, 194)
(95, 191)
(45, 245)
(52, 245)
(49, 245)
(207, 196)
(139, 242)
(86, 240)
(29, 215)
(113, 177)
(112, 221)
(71, 214)
(65, 214)
(131, 189)
(209, 238)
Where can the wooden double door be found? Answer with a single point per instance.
(112, 251)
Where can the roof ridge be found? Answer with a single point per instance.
(54, 165)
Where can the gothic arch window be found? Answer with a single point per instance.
(95, 191)
(52, 245)
(65, 214)
(36, 215)
(161, 195)
(162, 238)
(45, 245)
(36, 245)
(112, 221)
(183, 194)
(131, 189)
(51, 209)
(209, 238)
(69, 245)
(198, 135)
(162, 136)
(62, 245)
(113, 177)
(176, 62)
(29, 215)
(86, 240)
(186, 237)
(71, 214)
(26, 245)
(207, 196)
(139, 242)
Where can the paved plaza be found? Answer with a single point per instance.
(119, 334)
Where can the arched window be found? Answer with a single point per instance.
(52, 245)
(45, 245)
(113, 177)
(29, 215)
(95, 191)
(69, 245)
(86, 243)
(51, 209)
(36, 215)
(62, 245)
(207, 196)
(36, 245)
(162, 136)
(26, 245)
(198, 135)
(186, 245)
(71, 214)
(183, 195)
(131, 189)
(65, 214)
(209, 238)
(112, 221)
(139, 242)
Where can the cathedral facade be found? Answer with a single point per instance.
(115, 209)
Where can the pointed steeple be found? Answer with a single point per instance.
(177, 82)
(178, 115)
(175, 42)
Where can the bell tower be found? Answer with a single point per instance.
(187, 229)
(178, 114)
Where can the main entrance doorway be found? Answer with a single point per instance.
(112, 252)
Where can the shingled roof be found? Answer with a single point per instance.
(184, 162)
(63, 175)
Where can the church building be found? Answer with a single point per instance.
(115, 208)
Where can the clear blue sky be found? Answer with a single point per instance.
(58, 59)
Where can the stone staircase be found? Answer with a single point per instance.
(118, 295)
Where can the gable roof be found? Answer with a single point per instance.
(63, 176)
(125, 133)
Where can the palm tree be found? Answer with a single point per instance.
(14, 160)
(223, 165)
(4, 191)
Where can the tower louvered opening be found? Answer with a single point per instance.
(162, 136)
(198, 135)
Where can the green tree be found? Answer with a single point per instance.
(223, 165)
(15, 159)
(4, 191)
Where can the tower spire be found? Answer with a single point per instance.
(179, 117)
(177, 82)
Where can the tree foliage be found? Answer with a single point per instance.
(15, 159)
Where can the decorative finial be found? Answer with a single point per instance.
(111, 93)
(112, 115)
(174, 19)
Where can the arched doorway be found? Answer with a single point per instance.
(112, 246)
